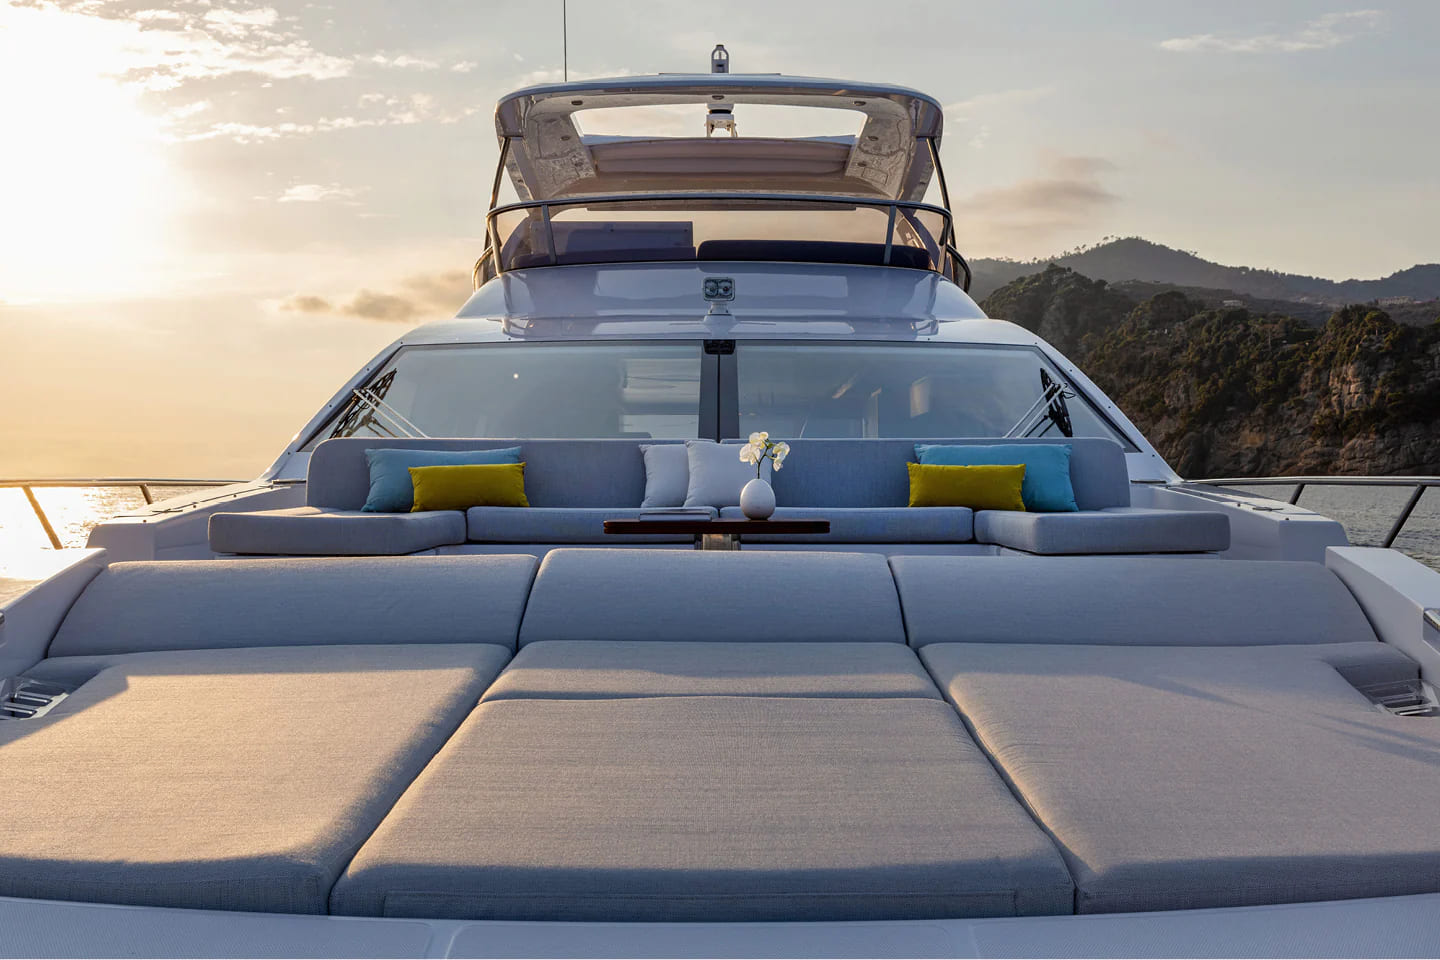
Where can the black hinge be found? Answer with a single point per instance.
(720, 347)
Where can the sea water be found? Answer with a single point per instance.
(1367, 514)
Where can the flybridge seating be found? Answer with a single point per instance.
(632, 735)
(860, 486)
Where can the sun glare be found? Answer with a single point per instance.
(86, 188)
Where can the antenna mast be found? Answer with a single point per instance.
(565, 39)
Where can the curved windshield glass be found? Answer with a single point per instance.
(578, 390)
(677, 390)
(721, 228)
(908, 390)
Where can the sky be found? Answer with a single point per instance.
(213, 211)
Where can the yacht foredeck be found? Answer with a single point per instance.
(906, 730)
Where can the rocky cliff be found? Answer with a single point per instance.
(1228, 392)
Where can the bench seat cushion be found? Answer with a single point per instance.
(712, 595)
(707, 809)
(597, 669)
(1181, 778)
(1111, 530)
(872, 524)
(197, 604)
(223, 779)
(1125, 600)
(558, 525)
(322, 532)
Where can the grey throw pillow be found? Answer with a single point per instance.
(717, 473)
(667, 474)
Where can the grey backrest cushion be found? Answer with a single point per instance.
(205, 604)
(558, 473)
(1124, 600)
(871, 473)
(611, 473)
(712, 595)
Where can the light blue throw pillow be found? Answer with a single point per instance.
(1047, 468)
(667, 474)
(391, 490)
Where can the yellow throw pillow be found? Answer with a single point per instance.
(469, 485)
(979, 488)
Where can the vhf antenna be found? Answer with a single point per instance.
(565, 40)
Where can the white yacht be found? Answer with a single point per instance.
(1117, 714)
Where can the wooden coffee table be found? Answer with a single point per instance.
(716, 534)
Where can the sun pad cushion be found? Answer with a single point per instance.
(720, 809)
(316, 532)
(1112, 530)
(224, 779)
(1183, 778)
(597, 669)
(1125, 600)
(194, 604)
(712, 595)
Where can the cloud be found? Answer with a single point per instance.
(963, 111)
(1324, 33)
(404, 62)
(316, 193)
(238, 23)
(1067, 195)
(420, 297)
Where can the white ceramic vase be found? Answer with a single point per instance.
(757, 500)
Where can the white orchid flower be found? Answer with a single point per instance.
(758, 439)
(749, 454)
(779, 453)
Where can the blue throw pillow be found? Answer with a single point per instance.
(1047, 468)
(392, 491)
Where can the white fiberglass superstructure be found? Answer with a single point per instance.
(1166, 718)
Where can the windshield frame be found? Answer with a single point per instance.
(949, 268)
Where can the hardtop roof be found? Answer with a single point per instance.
(549, 158)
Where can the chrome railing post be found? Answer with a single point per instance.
(44, 520)
(1404, 515)
(145, 492)
(1295, 497)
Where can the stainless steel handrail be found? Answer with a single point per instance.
(1418, 485)
(28, 487)
(496, 245)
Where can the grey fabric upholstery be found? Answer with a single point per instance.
(557, 525)
(1112, 530)
(872, 524)
(712, 595)
(193, 604)
(1124, 600)
(1177, 778)
(707, 809)
(224, 779)
(558, 473)
(599, 669)
(871, 473)
(312, 531)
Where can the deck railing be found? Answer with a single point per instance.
(28, 487)
(1417, 486)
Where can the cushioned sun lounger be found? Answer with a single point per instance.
(707, 809)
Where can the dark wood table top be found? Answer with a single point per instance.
(701, 527)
